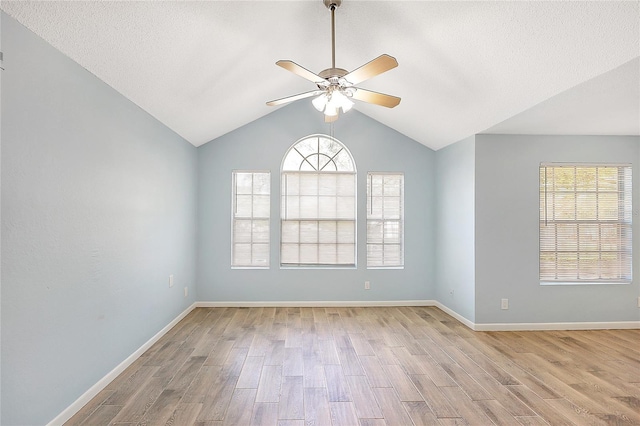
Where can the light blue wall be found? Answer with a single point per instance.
(507, 185)
(455, 234)
(261, 145)
(98, 208)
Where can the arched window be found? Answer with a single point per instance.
(318, 208)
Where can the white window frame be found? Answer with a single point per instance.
(257, 261)
(383, 215)
(318, 156)
(566, 234)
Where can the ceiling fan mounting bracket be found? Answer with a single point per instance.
(332, 3)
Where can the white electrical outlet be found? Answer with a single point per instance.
(638, 302)
(367, 285)
(504, 304)
(186, 291)
(170, 280)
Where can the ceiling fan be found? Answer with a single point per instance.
(336, 86)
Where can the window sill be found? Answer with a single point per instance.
(333, 267)
(250, 267)
(563, 283)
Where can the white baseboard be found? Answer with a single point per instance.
(540, 326)
(102, 383)
(316, 304)
(619, 325)
(456, 315)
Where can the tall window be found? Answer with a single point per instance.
(385, 220)
(250, 228)
(318, 208)
(585, 223)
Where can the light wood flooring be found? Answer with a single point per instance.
(371, 367)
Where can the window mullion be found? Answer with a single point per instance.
(251, 251)
(318, 208)
(555, 228)
(384, 224)
(578, 227)
(335, 214)
(599, 270)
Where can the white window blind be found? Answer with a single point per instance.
(385, 220)
(585, 223)
(318, 206)
(250, 227)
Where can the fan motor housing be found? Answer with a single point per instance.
(333, 72)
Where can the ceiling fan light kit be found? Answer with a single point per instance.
(336, 86)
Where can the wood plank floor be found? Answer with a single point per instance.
(370, 366)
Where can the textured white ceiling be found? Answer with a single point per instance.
(608, 104)
(207, 68)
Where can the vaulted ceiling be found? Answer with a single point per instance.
(206, 68)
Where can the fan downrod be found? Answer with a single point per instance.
(332, 5)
